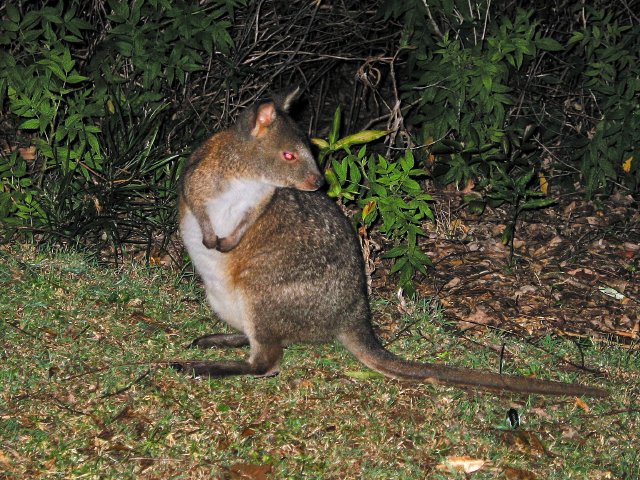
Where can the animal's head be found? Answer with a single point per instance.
(280, 148)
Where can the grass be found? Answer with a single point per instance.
(82, 394)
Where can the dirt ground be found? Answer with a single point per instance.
(575, 270)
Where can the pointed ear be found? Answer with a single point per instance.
(265, 115)
(290, 98)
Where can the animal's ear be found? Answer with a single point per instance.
(264, 116)
(291, 98)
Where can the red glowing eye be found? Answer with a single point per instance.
(288, 156)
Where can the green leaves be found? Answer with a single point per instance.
(549, 44)
(611, 68)
(466, 91)
(30, 124)
(335, 126)
(365, 136)
(538, 203)
(466, 84)
(165, 41)
(387, 192)
(12, 13)
(402, 205)
(62, 89)
(334, 144)
(18, 201)
(364, 375)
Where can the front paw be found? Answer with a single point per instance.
(226, 244)
(210, 241)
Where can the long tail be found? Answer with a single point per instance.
(366, 347)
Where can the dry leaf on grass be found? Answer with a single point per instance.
(478, 317)
(4, 460)
(524, 441)
(464, 464)
(582, 404)
(517, 474)
(572, 434)
(244, 471)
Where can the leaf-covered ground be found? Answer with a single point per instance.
(575, 270)
(82, 394)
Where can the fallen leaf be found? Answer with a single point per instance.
(119, 447)
(497, 229)
(600, 475)
(452, 283)
(105, 435)
(570, 208)
(524, 441)
(250, 430)
(582, 404)
(571, 433)
(160, 260)
(368, 208)
(540, 412)
(145, 463)
(517, 474)
(544, 184)
(458, 225)
(611, 292)
(577, 272)
(249, 471)
(469, 186)
(462, 464)
(473, 247)
(135, 303)
(306, 384)
(526, 289)
(404, 307)
(28, 153)
(478, 317)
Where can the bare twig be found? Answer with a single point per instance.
(433, 23)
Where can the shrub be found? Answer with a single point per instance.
(385, 191)
(607, 58)
(497, 89)
(96, 94)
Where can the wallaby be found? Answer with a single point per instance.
(282, 264)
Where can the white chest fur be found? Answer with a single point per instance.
(225, 211)
(228, 209)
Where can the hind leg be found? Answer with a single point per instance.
(264, 361)
(220, 340)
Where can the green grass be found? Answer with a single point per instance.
(82, 394)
